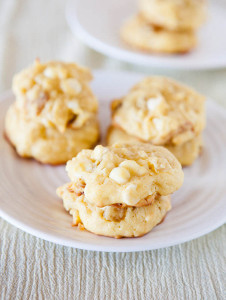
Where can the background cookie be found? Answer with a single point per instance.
(47, 144)
(185, 153)
(159, 109)
(55, 112)
(163, 112)
(174, 15)
(139, 34)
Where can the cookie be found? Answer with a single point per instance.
(46, 144)
(174, 14)
(186, 153)
(125, 174)
(162, 112)
(114, 221)
(123, 190)
(55, 112)
(141, 35)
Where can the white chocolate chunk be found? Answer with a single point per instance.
(88, 166)
(74, 106)
(159, 164)
(54, 72)
(50, 73)
(153, 103)
(130, 195)
(133, 167)
(158, 124)
(120, 175)
(98, 152)
(85, 165)
(71, 86)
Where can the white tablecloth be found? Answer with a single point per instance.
(31, 268)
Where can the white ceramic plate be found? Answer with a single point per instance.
(28, 199)
(97, 23)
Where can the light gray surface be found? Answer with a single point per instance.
(34, 269)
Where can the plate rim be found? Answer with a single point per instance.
(83, 246)
(128, 56)
(105, 248)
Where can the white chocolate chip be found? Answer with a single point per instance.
(85, 165)
(74, 85)
(33, 93)
(55, 72)
(74, 106)
(153, 103)
(46, 122)
(88, 166)
(159, 164)
(50, 73)
(158, 124)
(130, 194)
(143, 154)
(133, 167)
(98, 152)
(120, 175)
(71, 86)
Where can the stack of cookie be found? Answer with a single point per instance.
(121, 191)
(55, 112)
(165, 26)
(124, 189)
(161, 112)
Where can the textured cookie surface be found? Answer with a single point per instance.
(55, 94)
(47, 144)
(54, 109)
(114, 221)
(186, 153)
(174, 14)
(137, 33)
(161, 111)
(125, 173)
(121, 191)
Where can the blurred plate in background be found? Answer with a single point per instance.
(97, 23)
